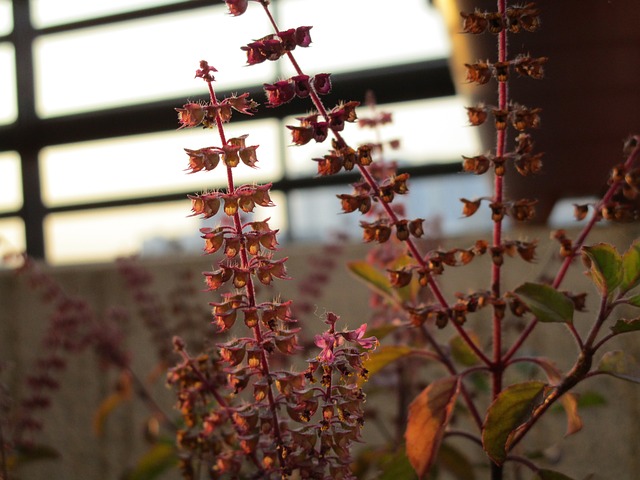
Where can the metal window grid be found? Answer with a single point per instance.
(29, 133)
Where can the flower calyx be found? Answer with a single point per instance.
(516, 19)
(273, 46)
(283, 91)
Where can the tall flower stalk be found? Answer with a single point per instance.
(276, 449)
(225, 425)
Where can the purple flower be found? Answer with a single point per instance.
(237, 7)
(326, 342)
(301, 85)
(322, 83)
(356, 336)
(288, 38)
(279, 93)
(255, 54)
(303, 39)
(205, 71)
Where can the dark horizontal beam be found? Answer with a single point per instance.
(426, 79)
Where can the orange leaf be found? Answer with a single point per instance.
(570, 404)
(429, 415)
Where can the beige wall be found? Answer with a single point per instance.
(608, 442)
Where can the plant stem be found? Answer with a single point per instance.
(3, 457)
(391, 214)
(251, 297)
(632, 160)
(497, 367)
(452, 370)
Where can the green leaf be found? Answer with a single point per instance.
(33, 453)
(462, 352)
(373, 278)
(550, 475)
(605, 266)
(397, 466)
(546, 303)
(161, 458)
(507, 412)
(429, 414)
(382, 331)
(634, 301)
(384, 356)
(620, 365)
(455, 462)
(410, 291)
(625, 326)
(591, 399)
(631, 267)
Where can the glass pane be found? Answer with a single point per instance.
(12, 236)
(365, 33)
(144, 60)
(150, 164)
(45, 13)
(429, 131)
(6, 17)
(316, 214)
(10, 182)
(438, 199)
(8, 103)
(104, 234)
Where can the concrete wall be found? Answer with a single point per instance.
(607, 445)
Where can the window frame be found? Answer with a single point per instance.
(29, 133)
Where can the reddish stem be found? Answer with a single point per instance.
(497, 367)
(251, 294)
(632, 160)
(391, 214)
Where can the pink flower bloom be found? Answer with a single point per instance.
(356, 336)
(326, 342)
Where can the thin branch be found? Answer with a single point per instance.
(632, 161)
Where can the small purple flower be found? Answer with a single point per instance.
(301, 85)
(322, 83)
(237, 7)
(279, 93)
(255, 54)
(326, 342)
(320, 131)
(303, 38)
(288, 38)
(356, 336)
(205, 71)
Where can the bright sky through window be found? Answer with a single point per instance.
(45, 13)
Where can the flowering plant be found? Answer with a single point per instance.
(261, 441)
(250, 408)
